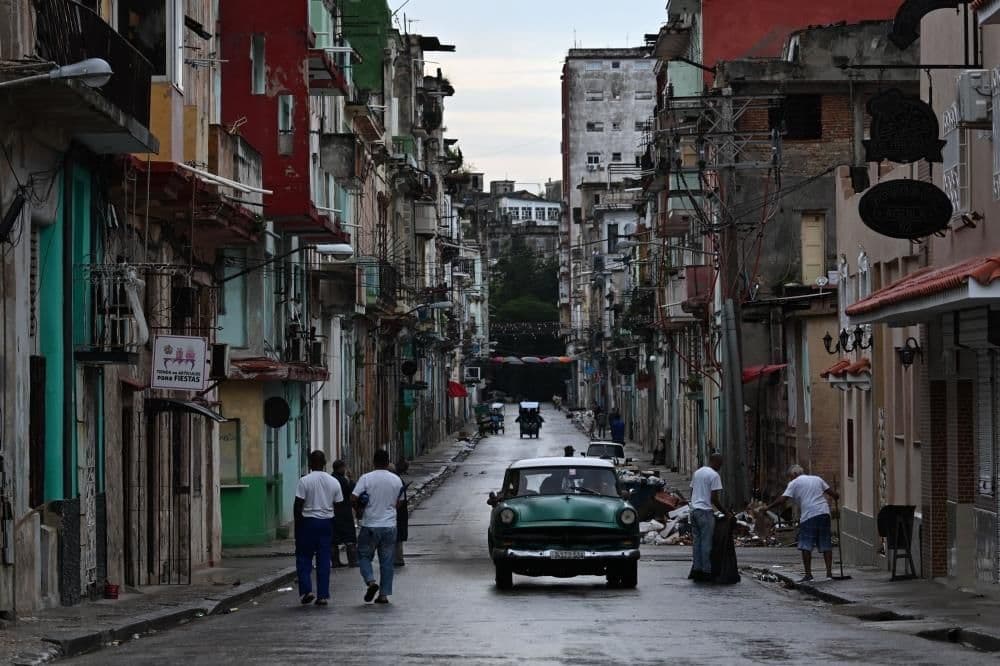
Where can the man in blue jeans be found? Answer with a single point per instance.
(382, 490)
(315, 495)
(706, 485)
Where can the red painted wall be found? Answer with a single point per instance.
(734, 29)
(286, 29)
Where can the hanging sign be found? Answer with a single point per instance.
(905, 209)
(904, 129)
(179, 363)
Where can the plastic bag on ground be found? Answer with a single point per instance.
(725, 568)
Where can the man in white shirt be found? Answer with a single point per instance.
(377, 493)
(315, 495)
(809, 493)
(706, 486)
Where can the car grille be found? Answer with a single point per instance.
(568, 536)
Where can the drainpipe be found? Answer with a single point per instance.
(69, 381)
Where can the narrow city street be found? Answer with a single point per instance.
(446, 609)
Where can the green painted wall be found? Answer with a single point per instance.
(244, 520)
(51, 346)
(366, 26)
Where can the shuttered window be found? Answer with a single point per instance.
(813, 247)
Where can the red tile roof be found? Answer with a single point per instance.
(837, 369)
(929, 281)
(845, 367)
(758, 371)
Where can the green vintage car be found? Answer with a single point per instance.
(563, 517)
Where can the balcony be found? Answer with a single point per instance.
(381, 285)
(425, 219)
(113, 119)
(700, 282)
(327, 75)
(114, 328)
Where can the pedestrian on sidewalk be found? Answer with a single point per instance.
(706, 487)
(315, 497)
(402, 514)
(345, 532)
(378, 525)
(617, 428)
(600, 422)
(809, 493)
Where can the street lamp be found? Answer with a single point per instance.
(93, 72)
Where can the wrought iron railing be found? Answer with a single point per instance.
(69, 32)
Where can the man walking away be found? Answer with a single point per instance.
(344, 531)
(617, 428)
(809, 493)
(600, 421)
(315, 496)
(706, 485)
(378, 526)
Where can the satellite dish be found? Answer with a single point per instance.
(350, 407)
(276, 412)
(409, 368)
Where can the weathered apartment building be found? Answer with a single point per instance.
(251, 198)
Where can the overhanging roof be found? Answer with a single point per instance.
(931, 291)
(171, 405)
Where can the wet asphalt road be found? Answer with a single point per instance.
(446, 611)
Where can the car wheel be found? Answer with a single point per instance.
(504, 576)
(629, 575)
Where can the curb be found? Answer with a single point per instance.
(820, 592)
(73, 645)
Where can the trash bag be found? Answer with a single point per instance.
(725, 569)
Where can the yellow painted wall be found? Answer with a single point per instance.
(245, 401)
(166, 121)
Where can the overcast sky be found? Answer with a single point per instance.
(506, 108)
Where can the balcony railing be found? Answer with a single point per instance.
(69, 32)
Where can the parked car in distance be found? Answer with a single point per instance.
(563, 517)
(606, 450)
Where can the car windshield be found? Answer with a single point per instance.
(605, 451)
(560, 481)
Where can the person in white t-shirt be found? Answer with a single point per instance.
(315, 495)
(706, 487)
(809, 493)
(377, 494)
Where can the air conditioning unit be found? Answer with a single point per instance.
(974, 95)
(473, 374)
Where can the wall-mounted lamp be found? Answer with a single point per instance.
(910, 350)
(847, 341)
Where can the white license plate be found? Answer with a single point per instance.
(567, 555)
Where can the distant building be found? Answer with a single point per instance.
(524, 219)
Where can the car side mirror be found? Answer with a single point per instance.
(493, 499)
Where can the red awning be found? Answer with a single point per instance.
(929, 282)
(456, 390)
(757, 371)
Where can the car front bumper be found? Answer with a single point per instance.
(564, 555)
(562, 562)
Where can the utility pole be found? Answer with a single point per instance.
(733, 445)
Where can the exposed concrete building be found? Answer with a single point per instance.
(608, 99)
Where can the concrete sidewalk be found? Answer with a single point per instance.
(241, 575)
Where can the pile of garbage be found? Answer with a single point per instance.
(665, 521)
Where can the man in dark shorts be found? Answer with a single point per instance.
(809, 493)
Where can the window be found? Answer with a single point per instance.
(515, 213)
(615, 64)
(540, 214)
(612, 238)
(643, 125)
(800, 117)
(526, 213)
(643, 65)
(554, 214)
(595, 126)
(616, 157)
(813, 227)
(232, 299)
(286, 106)
(321, 24)
(597, 199)
(229, 453)
(156, 29)
(595, 95)
(257, 66)
(850, 448)
(616, 126)
(594, 66)
(593, 158)
(643, 95)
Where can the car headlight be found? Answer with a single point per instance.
(627, 516)
(507, 516)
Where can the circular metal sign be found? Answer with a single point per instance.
(276, 412)
(905, 209)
